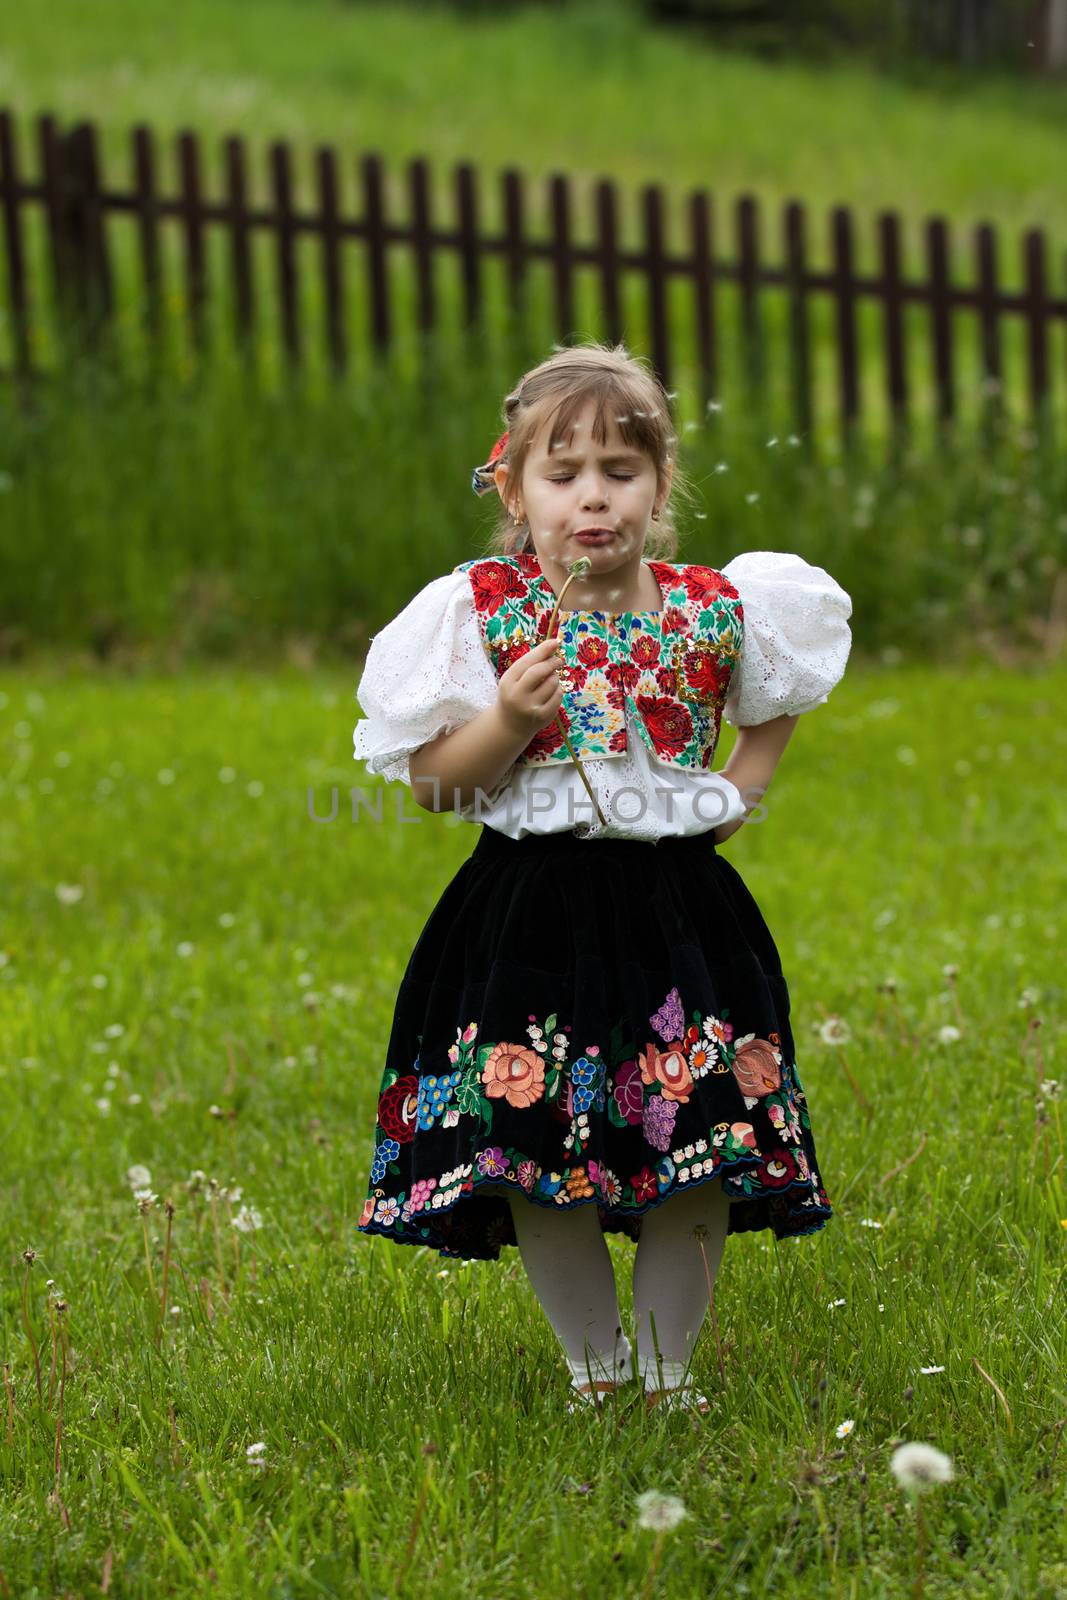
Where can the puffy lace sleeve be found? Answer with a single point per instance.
(796, 637)
(425, 673)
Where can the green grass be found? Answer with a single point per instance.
(227, 952)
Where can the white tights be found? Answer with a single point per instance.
(566, 1258)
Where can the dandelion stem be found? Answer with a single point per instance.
(856, 1090)
(148, 1254)
(578, 570)
(29, 1329)
(166, 1272)
(653, 1566)
(55, 1341)
(920, 1549)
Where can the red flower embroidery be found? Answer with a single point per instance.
(669, 725)
(398, 1108)
(494, 582)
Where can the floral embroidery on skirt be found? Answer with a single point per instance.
(590, 1022)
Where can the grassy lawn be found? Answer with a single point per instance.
(194, 975)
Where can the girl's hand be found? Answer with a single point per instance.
(530, 692)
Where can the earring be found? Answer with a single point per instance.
(655, 516)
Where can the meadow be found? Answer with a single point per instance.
(196, 978)
(221, 1387)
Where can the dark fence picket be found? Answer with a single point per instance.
(14, 247)
(239, 227)
(146, 208)
(702, 247)
(892, 295)
(937, 260)
(796, 253)
(422, 243)
(191, 219)
(332, 269)
(281, 184)
(656, 276)
(377, 267)
(468, 242)
(562, 257)
(76, 206)
(1035, 310)
(608, 260)
(843, 272)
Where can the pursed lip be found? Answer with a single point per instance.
(593, 530)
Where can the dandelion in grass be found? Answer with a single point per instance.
(165, 776)
(139, 1177)
(916, 1467)
(144, 1199)
(68, 894)
(114, 1030)
(257, 1453)
(843, 1429)
(186, 948)
(659, 1512)
(247, 1220)
(99, 980)
(227, 919)
(103, 1105)
(227, 774)
(751, 499)
(835, 1031)
(948, 1034)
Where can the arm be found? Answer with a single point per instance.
(756, 752)
(447, 771)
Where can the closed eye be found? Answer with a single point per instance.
(625, 477)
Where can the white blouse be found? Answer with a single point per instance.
(427, 672)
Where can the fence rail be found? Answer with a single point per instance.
(69, 189)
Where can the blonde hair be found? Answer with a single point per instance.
(624, 386)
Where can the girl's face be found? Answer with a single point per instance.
(584, 485)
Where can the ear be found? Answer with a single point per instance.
(500, 475)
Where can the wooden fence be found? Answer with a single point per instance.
(64, 181)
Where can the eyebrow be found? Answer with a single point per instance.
(568, 460)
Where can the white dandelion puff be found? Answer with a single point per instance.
(144, 1199)
(835, 1030)
(138, 1177)
(916, 1465)
(948, 1034)
(658, 1511)
(68, 894)
(247, 1220)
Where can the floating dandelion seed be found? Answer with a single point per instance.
(138, 1177)
(660, 1512)
(186, 948)
(793, 439)
(114, 1030)
(721, 466)
(843, 1429)
(103, 1104)
(750, 499)
(916, 1465)
(931, 1369)
(772, 442)
(713, 405)
(98, 980)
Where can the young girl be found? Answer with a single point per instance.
(592, 1032)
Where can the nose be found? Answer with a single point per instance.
(593, 493)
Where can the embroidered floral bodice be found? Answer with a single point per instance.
(664, 673)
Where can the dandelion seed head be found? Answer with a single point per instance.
(145, 1200)
(915, 1465)
(658, 1511)
(948, 1034)
(138, 1177)
(247, 1220)
(835, 1030)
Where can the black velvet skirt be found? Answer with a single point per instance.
(590, 1022)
